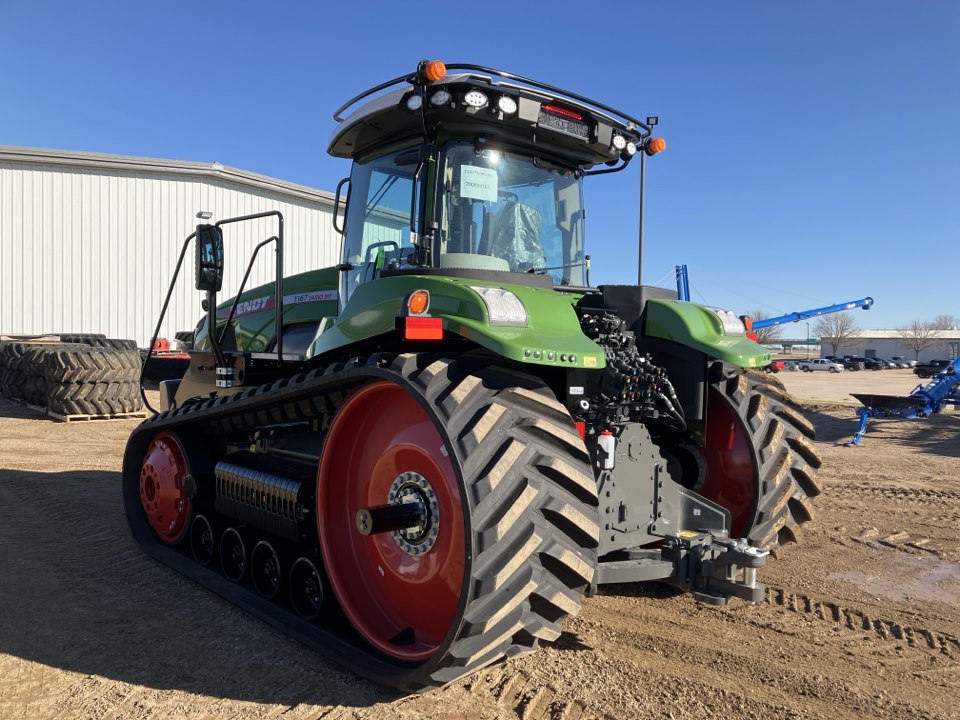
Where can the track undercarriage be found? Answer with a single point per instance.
(503, 554)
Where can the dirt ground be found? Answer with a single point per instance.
(861, 620)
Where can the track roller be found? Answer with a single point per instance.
(233, 554)
(202, 540)
(306, 588)
(265, 569)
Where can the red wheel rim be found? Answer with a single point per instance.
(161, 488)
(728, 454)
(402, 604)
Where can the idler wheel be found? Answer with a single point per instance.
(164, 485)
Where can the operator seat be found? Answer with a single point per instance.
(515, 237)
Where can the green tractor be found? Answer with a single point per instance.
(421, 460)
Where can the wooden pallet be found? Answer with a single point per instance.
(44, 410)
(138, 415)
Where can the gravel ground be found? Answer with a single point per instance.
(861, 620)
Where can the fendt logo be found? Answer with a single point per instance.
(251, 306)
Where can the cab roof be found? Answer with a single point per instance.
(490, 103)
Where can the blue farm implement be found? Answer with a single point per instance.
(942, 389)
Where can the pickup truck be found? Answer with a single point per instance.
(931, 367)
(820, 364)
(774, 366)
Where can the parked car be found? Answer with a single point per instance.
(847, 362)
(868, 363)
(925, 370)
(820, 364)
(903, 362)
(774, 366)
(889, 364)
(791, 365)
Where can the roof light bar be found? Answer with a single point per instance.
(475, 99)
(560, 110)
(440, 97)
(507, 104)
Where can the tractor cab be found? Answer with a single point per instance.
(472, 174)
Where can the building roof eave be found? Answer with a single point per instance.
(74, 158)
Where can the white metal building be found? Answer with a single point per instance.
(945, 345)
(89, 242)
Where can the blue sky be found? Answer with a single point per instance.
(813, 147)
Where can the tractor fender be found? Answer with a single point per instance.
(700, 327)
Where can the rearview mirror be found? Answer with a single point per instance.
(209, 258)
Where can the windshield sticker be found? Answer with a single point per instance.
(478, 183)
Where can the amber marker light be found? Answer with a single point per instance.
(418, 302)
(434, 70)
(655, 145)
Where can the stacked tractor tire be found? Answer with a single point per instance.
(79, 375)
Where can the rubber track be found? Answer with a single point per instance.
(527, 484)
(91, 365)
(787, 460)
(100, 341)
(32, 361)
(11, 384)
(13, 352)
(93, 398)
(34, 389)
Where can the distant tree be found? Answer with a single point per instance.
(836, 330)
(945, 321)
(919, 335)
(767, 334)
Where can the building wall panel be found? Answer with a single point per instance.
(93, 249)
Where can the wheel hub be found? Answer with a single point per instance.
(411, 487)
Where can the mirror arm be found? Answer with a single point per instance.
(219, 359)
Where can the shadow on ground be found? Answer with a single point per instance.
(78, 595)
(938, 434)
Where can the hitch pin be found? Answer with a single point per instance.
(749, 575)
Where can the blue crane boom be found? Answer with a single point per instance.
(943, 388)
(683, 293)
(864, 303)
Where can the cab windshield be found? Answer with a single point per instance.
(500, 210)
(495, 210)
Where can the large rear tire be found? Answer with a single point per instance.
(760, 460)
(510, 546)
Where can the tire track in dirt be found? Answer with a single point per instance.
(890, 492)
(856, 620)
(515, 690)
